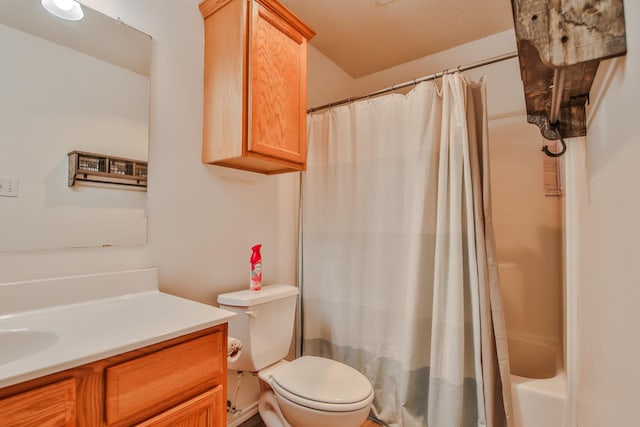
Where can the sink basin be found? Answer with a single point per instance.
(18, 343)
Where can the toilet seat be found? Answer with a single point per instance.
(322, 384)
(321, 406)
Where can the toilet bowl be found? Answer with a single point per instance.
(314, 392)
(307, 392)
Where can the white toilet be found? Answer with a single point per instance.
(307, 392)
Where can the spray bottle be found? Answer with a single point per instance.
(255, 283)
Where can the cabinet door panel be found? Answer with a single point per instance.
(277, 87)
(205, 410)
(159, 380)
(48, 406)
(225, 85)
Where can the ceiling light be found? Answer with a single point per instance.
(65, 9)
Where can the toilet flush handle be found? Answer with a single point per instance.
(251, 313)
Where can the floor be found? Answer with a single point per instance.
(255, 421)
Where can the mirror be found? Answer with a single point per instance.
(64, 86)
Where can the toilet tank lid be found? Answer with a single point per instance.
(248, 298)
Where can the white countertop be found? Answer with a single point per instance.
(44, 340)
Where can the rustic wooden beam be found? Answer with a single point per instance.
(574, 35)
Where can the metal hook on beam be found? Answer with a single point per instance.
(555, 126)
(550, 153)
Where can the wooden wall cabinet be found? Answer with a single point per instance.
(255, 86)
(177, 382)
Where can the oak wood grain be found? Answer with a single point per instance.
(255, 86)
(225, 83)
(48, 406)
(278, 85)
(288, 16)
(90, 383)
(204, 410)
(159, 380)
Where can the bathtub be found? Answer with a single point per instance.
(538, 383)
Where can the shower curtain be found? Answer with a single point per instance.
(399, 278)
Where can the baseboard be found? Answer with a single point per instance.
(244, 415)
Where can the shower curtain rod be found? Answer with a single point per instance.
(416, 81)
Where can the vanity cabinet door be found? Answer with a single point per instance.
(155, 382)
(205, 410)
(51, 405)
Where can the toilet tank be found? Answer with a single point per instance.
(264, 324)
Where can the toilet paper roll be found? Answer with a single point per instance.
(234, 348)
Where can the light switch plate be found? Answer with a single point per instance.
(8, 186)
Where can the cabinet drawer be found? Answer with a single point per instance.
(205, 410)
(51, 405)
(152, 383)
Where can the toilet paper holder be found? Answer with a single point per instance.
(234, 349)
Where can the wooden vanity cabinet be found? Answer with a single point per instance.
(255, 86)
(180, 382)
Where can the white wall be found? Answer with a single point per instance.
(203, 219)
(326, 82)
(605, 179)
(504, 88)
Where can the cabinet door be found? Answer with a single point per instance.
(51, 405)
(277, 80)
(149, 384)
(205, 410)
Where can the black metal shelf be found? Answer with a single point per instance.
(93, 167)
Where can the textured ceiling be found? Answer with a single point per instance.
(365, 36)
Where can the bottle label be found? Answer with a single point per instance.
(256, 276)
